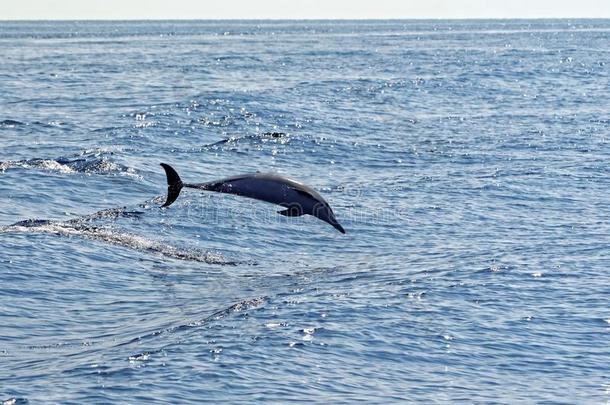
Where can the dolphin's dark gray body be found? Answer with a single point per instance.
(297, 198)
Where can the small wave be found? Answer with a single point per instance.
(116, 237)
(233, 141)
(183, 326)
(223, 313)
(98, 166)
(81, 227)
(192, 325)
(11, 123)
(40, 164)
(111, 213)
(15, 401)
(222, 115)
(280, 137)
(90, 163)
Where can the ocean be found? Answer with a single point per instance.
(467, 161)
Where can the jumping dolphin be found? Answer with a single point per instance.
(297, 198)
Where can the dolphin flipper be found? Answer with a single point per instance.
(293, 210)
(174, 184)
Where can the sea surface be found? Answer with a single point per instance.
(469, 162)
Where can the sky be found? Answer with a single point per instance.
(299, 9)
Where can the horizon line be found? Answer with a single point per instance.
(299, 19)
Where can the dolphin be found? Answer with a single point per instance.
(297, 199)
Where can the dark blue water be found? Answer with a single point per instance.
(468, 162)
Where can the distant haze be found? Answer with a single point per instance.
(300, 9)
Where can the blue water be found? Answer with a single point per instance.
(467, 160)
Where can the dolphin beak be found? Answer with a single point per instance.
(338, 227)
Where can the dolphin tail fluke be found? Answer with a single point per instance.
(174, 184)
